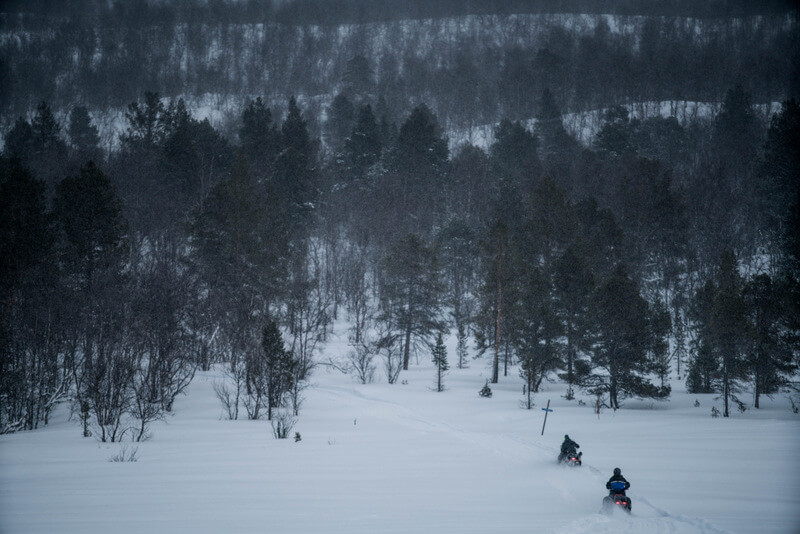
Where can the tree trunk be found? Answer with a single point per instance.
(757, 384)
(496, 363)
(406, 349)
(725, 390)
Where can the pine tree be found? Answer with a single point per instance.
(83, 134)
(533, 327)
(30, 374)
(411, 193)
(704, 373)
(456, 244)
(779, 183)
(573, 283)
(680, 339)
(294, 132)
(148, 122)
(411, 292)
(514, 156)
(92, 226)
(558, 149)
(623, 341)
(728, 326)
(362, 149)
(46, 129)
(259, 138)
(240, 254)
(461, 346)
(19, 141)
(736, 131)
(93, 247)
(614, 137)
(358, 78)
(769, 355)
(294, 179)
(276, 370)
(495, 292)
(49, 155)
(440, 361)
(341, 116)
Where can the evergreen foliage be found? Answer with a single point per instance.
(411, 292)
(258, 136)
(439, 357)
(622, 341)
(273, 369)
(83, 134)
(178, 253)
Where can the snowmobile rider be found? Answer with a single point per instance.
(567, 447)
(617, 477)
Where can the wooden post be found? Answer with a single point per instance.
(546, 410)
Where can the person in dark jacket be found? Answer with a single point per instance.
(567, 447)
(617, 477)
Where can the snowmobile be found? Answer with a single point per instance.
(616, 498)
(573, 459)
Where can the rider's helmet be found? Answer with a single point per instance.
(617, 471)
(566, 436)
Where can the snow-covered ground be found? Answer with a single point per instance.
(381, 458)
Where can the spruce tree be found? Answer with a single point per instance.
(704, 373)
(49, 153)
(440, 361)
(93, 250)
(411, 294)
(623, 341)
(362, 149)
(411, 192)
(573, 283)
(341, 116)
(534, 329)
(30, 374)
(769, 356)
(276, 370)
(259, 138)
(495, 292)
(728, 326)
(294, 132)
(19, 141)
(83, 134)
(514, 156)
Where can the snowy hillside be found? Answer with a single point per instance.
(401, 458)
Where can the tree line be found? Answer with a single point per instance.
(472, 70)
(661, 245)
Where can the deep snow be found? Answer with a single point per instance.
(381, 458)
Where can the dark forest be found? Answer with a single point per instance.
(327, 186)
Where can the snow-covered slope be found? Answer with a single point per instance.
(381, 458)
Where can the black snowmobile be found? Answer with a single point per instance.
(573, 459)
(616, 497)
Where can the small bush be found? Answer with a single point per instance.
(282, 423)
(227, 398)
(125, 455)
(486, 391)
